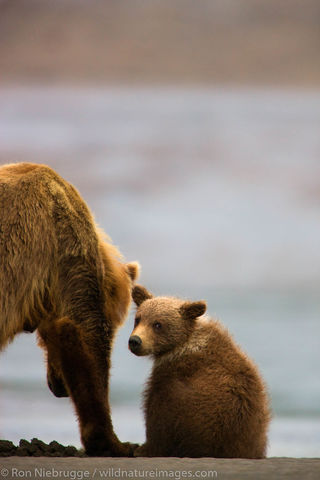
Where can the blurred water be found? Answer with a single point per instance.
(216, 193)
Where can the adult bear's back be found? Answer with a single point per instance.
(45, 227)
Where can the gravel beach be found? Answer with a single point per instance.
(115, 468)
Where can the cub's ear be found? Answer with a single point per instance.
(192, 310)
(140, 294)
(133, 270)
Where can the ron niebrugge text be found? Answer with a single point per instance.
(107, 473)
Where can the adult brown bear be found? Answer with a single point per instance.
(59, 274)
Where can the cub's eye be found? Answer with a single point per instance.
(137, 321)
(157, 326)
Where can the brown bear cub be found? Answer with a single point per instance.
(61, 276)
(205, 397)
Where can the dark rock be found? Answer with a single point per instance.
(22, 452)
(57, 448)
(38, 448)
(7, 448)
(70, 451)
(39, 444)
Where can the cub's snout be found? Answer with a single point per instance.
(135, 343)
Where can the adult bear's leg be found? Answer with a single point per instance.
(85, 380)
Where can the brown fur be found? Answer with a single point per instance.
(60, 275)
(205, 397)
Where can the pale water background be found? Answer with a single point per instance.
(217, 193)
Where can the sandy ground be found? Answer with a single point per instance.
(115, 468)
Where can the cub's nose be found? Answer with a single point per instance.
(134, 343)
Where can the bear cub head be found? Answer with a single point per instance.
(161, 323)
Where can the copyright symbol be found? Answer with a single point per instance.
(4, 472)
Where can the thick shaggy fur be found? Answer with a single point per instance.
(205, 397)
(61, 276)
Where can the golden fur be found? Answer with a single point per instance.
(61, 275)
